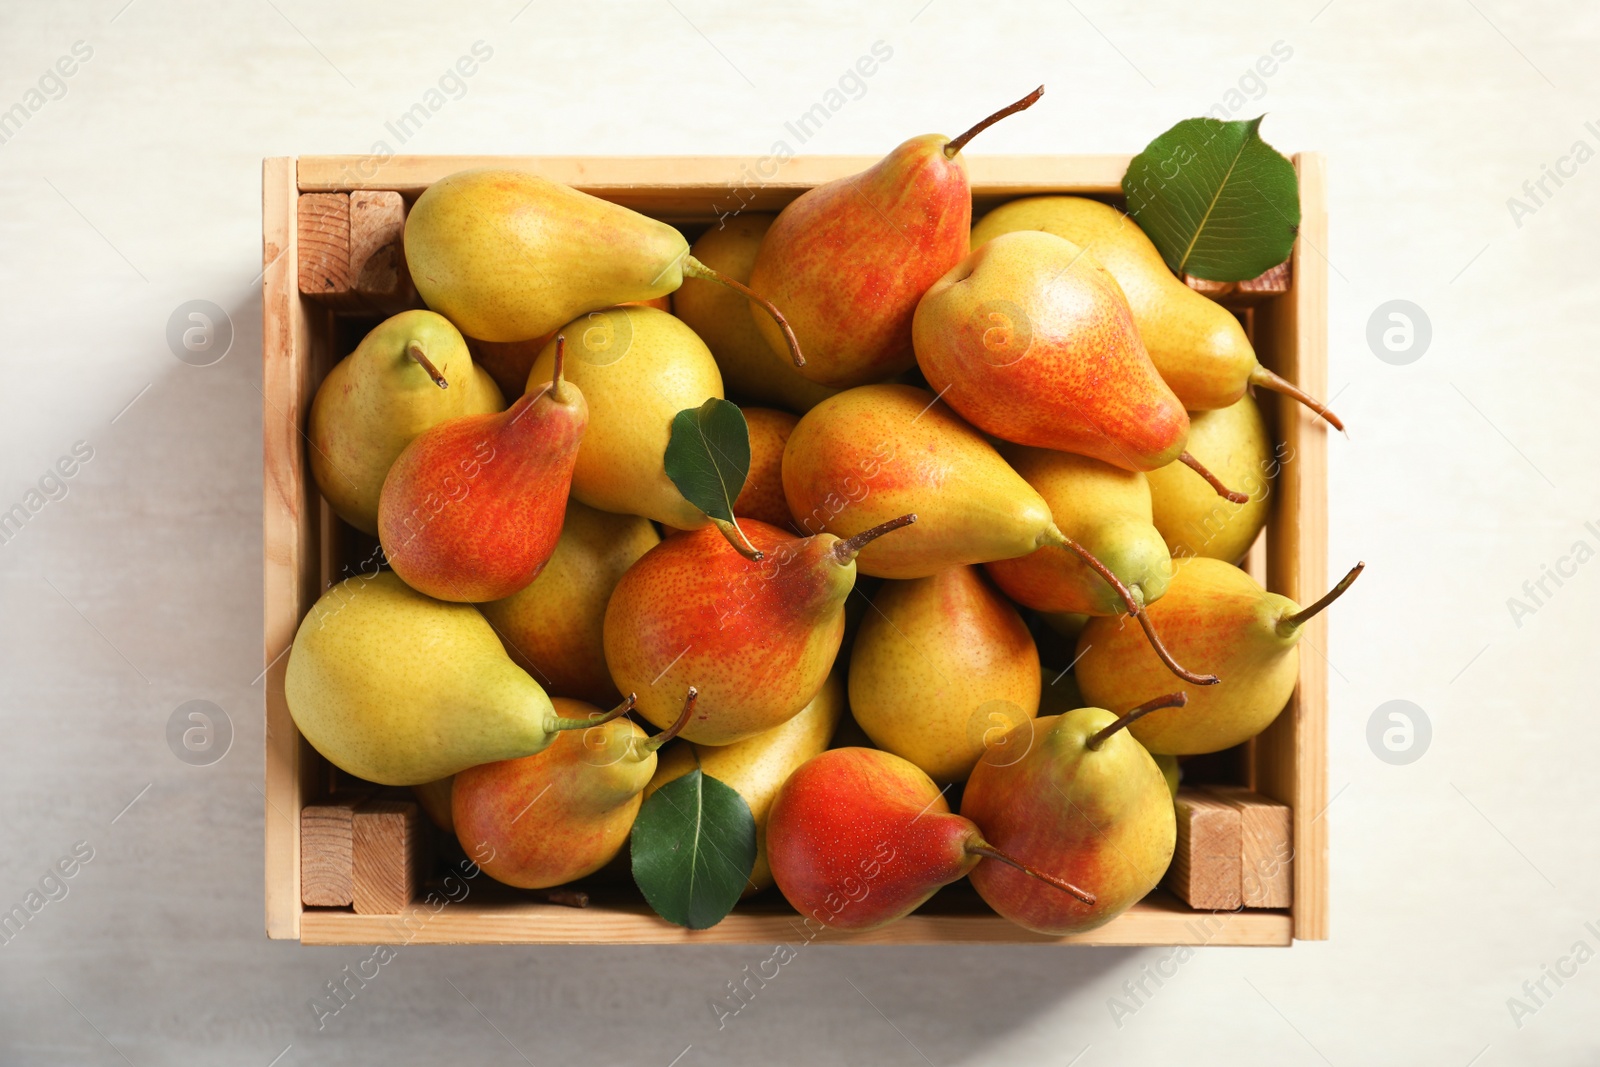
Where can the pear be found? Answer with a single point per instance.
(510, 362)
(858, 456)
(940, 664)
(410, 373)
(1215, 616)
(553, 628)
(848, 260)
(638, 367)
(1233, 444)
(1086, 802)
(1031, 340)
(757, 767)
(723, 318)
(1197, 345)
(762, 496)
(401, 689)
(1107, 511)
(509, 256)
(1170, 771)
(563, 813)
(757, 638)
(435, 800)
(858, 838)
(473, 507)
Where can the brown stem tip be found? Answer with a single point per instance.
(983, 848)
(1212, 480)
(847, 550)
(959, 143)
(676, 728)
(1267, 380)
(1290, 623)
(1171, 700)
(597, 720)
(693, 268)
(414, 350)
(561, 365)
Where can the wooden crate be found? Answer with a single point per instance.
(1287, 763)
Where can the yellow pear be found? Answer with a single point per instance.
(435, 800)
(757, 767)
(401, 689)
(1197, 345)
(942, 668)
(412, 372)
(750, 367)
(553, 628)
(1232, 442)
(637, 367)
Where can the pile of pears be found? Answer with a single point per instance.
(993, 435)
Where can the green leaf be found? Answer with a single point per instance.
(693, 844)
(708, 456)
(1218, 201)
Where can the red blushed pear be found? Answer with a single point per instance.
(1073, 794)
(858, 838)
(757, 638)
(1031, 340)
(564, 813)
(848, 260)
(472, 509)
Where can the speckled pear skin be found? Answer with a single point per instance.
(1106, 510)
(756, 638)
(1234, 445)
(401, 689)
(1031, 340)
(858, 838)
(1100, 819)
(509, 256)
(757, 767)
(847, 261)
(560, 814)
(762, 496)
(750, 367)
(1214, 618)
(1196, 344)
(638, 367)
(472, 509)
(878, 451)
(554, 627)
(942, 665)
(377, 399)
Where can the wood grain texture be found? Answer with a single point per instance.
(1158, 920)
(1266, 854)
(323, 224)
(1292, 753)
(327, 857)
(1205, 869)
(386, 846)
(1267, 286)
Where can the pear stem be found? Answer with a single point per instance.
(1134, 605)
(561, 364)
(599, 720)
(1268, 380)
(414, 350)
(693, 268)
(959, 143)
(1212, 480)
(847, 550)
(736, 537)
(1290, 623)
(644, 748)
(1171, 700)
(983, 848)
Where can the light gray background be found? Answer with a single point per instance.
(1455, 878)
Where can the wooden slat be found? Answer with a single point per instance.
(327, 856)
(1205, 869)
(377, 233)
(1158, 920)
(1292, 763)
(289, 535)
(386, 842)
(1266, 854)
(1268, 286)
